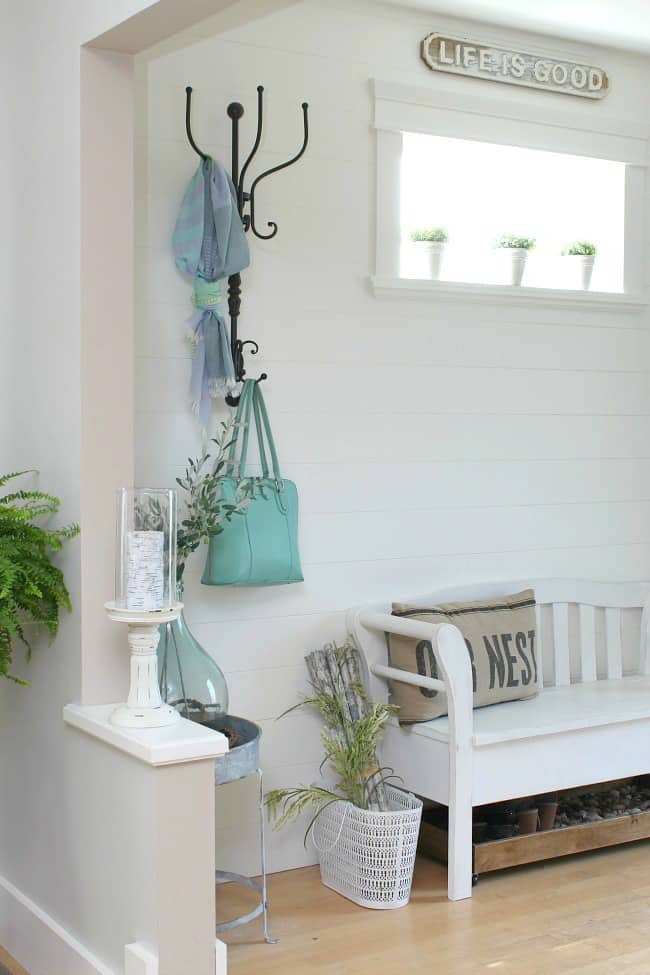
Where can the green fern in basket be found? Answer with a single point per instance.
(32, 589)
(350, 747)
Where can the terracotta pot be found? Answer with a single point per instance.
(547, 814)
(527, 821)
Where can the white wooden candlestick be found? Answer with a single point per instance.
(144, 707)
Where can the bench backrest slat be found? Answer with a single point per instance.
(561, 652)
(580, 626)
(644, 667)
(613, 642)
(588, 665)
(539, 639)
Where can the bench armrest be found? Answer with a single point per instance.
(453, 659)
(406, 677)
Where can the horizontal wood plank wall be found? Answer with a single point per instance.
(432, 443)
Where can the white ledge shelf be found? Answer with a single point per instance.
(422, 289)
(184, 741)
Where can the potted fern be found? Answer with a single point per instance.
(432, 240)
(32, 588)
(518, 249)
(583, 253)
(365, 830)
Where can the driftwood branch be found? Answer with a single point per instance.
(327, 674)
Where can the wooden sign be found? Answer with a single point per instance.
(474, 60)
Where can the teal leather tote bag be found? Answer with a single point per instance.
(260, 546)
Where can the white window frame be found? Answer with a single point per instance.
(403, 108)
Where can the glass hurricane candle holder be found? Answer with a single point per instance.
(145, 564)
(145, 597)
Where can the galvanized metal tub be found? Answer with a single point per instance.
(244, 757)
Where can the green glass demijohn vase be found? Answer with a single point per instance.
(189, 678)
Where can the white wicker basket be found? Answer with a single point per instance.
(369, 856)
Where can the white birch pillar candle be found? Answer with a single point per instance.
(144, 570)
(145, 598)
(145, 564)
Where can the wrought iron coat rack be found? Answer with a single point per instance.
(245, 200)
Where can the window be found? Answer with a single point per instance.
(479, 191)
(483, 168)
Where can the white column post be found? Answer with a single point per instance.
(185, 859)
(143, 820)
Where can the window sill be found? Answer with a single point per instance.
(427, 290)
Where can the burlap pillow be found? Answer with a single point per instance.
(500, 638)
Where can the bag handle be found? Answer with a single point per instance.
(242, 425)
(246, 426)
(260, 408)
(260, 436)
(253, 398)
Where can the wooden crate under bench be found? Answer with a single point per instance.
(543, 845)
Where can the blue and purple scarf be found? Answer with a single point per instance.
(209, 243)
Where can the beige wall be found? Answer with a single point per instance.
(41, 399)
(49, 380)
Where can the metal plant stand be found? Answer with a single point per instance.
(241, 761)
(262, 906)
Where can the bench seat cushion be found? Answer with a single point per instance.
(556, 709)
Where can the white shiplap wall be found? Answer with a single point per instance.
(432, 443)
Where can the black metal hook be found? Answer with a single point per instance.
(240, 369)
(188, 122)
(276, 169)
(235, 112)
(241, 196)
(254, 351)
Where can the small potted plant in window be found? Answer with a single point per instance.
(518, 248)
(585, 253)
(432, 241)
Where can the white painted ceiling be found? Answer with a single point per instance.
(614, 23)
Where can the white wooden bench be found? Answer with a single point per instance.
(590, 723)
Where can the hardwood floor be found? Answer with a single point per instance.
(584, 915)
(8, 965)
(588, 914)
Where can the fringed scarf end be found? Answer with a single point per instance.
(221, 387)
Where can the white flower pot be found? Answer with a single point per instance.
(433, 253)
(368, 856)
(583, 268)
(518, 258)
